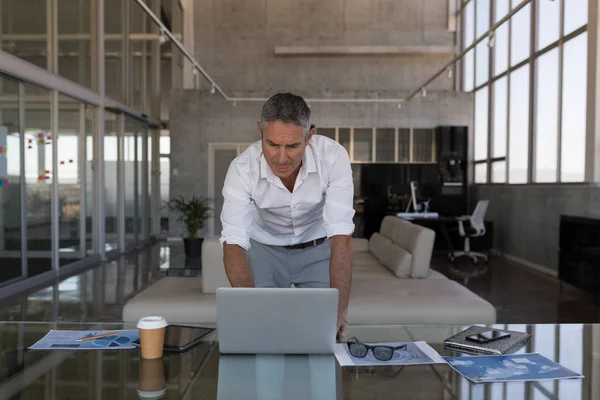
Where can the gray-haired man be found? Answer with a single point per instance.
(287, 215)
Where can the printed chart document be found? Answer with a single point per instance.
(87, 340)
(415, 353)
(510, 368)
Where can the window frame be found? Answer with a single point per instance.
(534, 55)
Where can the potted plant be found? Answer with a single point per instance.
(193, 215)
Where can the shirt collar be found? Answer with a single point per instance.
(308, 165)
(265, 170)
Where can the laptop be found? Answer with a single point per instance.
(276, 320)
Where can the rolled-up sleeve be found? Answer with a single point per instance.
(338, 212)
(236, 216)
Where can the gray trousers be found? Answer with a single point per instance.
(276, 266)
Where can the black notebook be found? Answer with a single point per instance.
(501, 346)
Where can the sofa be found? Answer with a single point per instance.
(392, 284)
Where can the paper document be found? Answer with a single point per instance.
(87, 340)
(510, 368)
(415, 353)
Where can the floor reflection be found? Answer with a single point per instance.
(94, 295)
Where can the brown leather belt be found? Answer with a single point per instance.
(312, 243)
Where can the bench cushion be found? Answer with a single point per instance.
(378, 245)
(213, 269)
(416, 301)
(180, 300)
(373, 301)
(397, 260)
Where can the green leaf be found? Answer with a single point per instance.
(192, 213)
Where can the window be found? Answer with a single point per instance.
(481, 173)
(501, 49)
(574, 110)
(501, 9)
(482, 22)
(576, 14)
(500, 118)
(385, 145)
(344, 138)
(469, 71)
(329, 132)
(481, 124)
(363, 144)
(469, 37)
(529, 121)
(482, 52)
(469, 24)
(164, 145)
(520, 37)
(548, 22)
(518, 154)
(546, 135)
(499, 172)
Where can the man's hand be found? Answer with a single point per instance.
(342, 323)
(237, 267)
(340, 271)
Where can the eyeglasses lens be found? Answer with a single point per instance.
(383, 353)
(357, 350)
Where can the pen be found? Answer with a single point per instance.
(84, 339)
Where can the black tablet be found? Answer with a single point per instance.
(179, 338)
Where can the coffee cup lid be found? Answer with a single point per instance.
(152, 323)
(154, 394)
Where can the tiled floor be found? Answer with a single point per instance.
(519, 294)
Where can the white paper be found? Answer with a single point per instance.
(416, 353)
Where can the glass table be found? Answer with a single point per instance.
(202, 373)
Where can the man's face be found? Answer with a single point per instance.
(283, 146)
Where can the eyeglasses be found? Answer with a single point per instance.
(380, 352)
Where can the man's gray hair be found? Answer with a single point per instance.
(288, 108)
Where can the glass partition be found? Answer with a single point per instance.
(11, 266)
(38, 177)
(131, 184)
(111, 194)
(70, 179)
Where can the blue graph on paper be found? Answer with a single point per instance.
(506, 368)
(71, 340)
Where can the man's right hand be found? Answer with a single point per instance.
(237, 267)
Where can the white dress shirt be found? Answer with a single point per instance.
(257, 205)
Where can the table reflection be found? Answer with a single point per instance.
(267, 377)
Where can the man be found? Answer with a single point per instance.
(288, 207)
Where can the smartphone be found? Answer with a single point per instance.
(488, 336)
(179, 338)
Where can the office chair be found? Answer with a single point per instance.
(474, 228)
